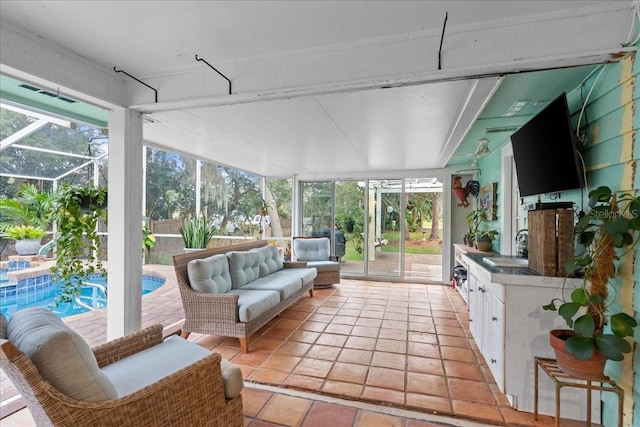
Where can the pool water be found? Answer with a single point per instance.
(92, 296)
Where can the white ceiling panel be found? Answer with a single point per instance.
(385, 129)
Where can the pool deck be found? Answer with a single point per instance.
(160, 306)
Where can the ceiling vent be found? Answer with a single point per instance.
(33, 88)
(47, 93)
(503, 129)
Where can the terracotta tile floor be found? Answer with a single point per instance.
(405, 346)
(392, 346)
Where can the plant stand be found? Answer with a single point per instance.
(560, 379)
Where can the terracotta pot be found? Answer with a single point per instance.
(591, 369)
(470, 242)
(484, 246)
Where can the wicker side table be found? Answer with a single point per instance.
(560, 379)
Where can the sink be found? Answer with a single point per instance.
(506, 261)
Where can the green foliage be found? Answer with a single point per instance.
(24, 232)
(53, 137)
(604, 229)
(77, 211)
(29, 207)
(281, 192)
(485, 234)
(357, 241)
(196, 233)
(148, 239)
(473, 220)
(170, 184)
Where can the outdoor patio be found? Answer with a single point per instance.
(361, 354)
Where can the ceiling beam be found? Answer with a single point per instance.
(45, 64)
(581, 37)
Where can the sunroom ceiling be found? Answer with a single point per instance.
(320, 88)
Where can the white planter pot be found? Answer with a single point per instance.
(28, 246)
(189, 250)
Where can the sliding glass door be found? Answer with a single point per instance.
(379, 228)
(384, 232)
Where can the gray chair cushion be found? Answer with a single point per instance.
(306, 275)
(61, 355)
(285, 285)
(210, 275)
(312, 249)
(252, 304)
(324, 265)
(271, 261)
(142, 369)
(244, 267)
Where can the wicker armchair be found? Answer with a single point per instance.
(192, 396)
(316, 251)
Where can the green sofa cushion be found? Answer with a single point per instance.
(210, 275)
(271, 261)
(252, 304)
(61, 355)
(244, 267)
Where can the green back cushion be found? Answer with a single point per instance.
(315, 249)
(244, 267)
(210, 275)
(61, 355)
(271, 261)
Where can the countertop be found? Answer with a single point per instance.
(518, 276)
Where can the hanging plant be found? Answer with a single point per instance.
(77, 241)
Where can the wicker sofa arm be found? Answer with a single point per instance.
(188, 397)
(135, 342)
(218, 308)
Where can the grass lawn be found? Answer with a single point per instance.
(413, 246)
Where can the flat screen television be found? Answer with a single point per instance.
(545, 154)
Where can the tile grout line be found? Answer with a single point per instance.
(380, 409)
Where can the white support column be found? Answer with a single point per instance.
(124, 304)
(198, 188)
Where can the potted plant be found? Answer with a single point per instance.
(603, 236)
(485, 237)
(27, 238)
(473, 220)
(29, 207)
(77, 241)
(196, 234)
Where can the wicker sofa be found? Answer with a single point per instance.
(235, 290)
(137, 380)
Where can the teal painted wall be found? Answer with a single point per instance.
(611, 156)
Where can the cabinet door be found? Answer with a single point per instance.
(475, 317)
(496, 344)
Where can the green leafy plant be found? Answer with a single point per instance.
(29, 207)
(78, 210)
(148, 238)
(196, 233)
(24, 232)
(473, 220)
(603, 236)
(486, 234)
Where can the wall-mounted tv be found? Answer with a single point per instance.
(544, 152)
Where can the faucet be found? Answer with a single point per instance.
(522, 240)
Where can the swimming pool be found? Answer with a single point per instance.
(12, 300)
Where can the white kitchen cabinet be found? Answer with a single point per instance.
(486, 317)
(510, 328)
